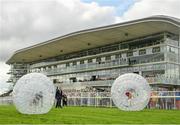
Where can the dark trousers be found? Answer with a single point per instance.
(58, 103)
(64, 103)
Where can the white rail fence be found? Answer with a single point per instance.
(159, 99)
(6, 100)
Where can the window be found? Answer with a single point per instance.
(142, 52)
(157, 42)
(156, 50)
(117, 56)
(150, 43)
(94, 51)
(89, 60)
(142, 45)
(172, 49)
(132, 62)
(124, 46)
(67, 64)
(81, 54)
(108, 57)
(74, 63)
(82, 62)
(98, 59)
(110, 48)
(129, 54)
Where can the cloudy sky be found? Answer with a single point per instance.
(27, 22)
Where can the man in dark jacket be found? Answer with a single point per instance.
(58, 97)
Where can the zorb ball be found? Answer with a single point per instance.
(34, 94)
(130, 92)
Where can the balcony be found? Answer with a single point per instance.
(80, 85)
(163, 80)
(172, 42)
(87, 67)
(150, 80)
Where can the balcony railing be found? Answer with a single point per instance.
(85, 67)
(172, 42)
(151, 80)
(78, 85)
(163, 80)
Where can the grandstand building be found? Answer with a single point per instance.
(96, 57)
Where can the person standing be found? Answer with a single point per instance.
(58, 97)
(64, 100)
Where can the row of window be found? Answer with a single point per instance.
(143, 52)
(107, 58)
(172, 49)
(108, 74)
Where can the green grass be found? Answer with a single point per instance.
(90, 115)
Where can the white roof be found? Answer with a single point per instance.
(95, 37)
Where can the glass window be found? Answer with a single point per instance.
(117, 56)
(108, 57)
(124, 46)
(98, 59)
(89, 60)
(157, 42)
(74, 63)
(123, 55)
(135, 53)
(156, 49)
(110, 48)
(129, 54)
(142, 52)
(172, 49)
(82, 62)
(141, 45)
(172, 38)
(150, 43)
(67, 65)
(94, 51)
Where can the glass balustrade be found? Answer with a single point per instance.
(82, 67)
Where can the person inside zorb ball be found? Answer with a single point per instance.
(130, 92)
(34, 94)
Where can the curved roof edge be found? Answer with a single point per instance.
(163, 18)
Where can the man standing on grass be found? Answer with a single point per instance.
(58, 97)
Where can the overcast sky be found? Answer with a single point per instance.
(27, 22)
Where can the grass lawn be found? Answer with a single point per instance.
(89, 115)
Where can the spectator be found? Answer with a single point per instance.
(178, 100)
(64, 100)
(58, 97)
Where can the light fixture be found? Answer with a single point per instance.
(126, 34)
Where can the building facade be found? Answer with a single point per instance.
(96, 57)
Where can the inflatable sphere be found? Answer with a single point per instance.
(34, 94)
(130, 92)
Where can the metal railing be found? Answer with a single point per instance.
(6, 100)
(160, 79)
(159, 99)
(84, 67)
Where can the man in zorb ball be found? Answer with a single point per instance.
(34, 94)
(130, 92)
